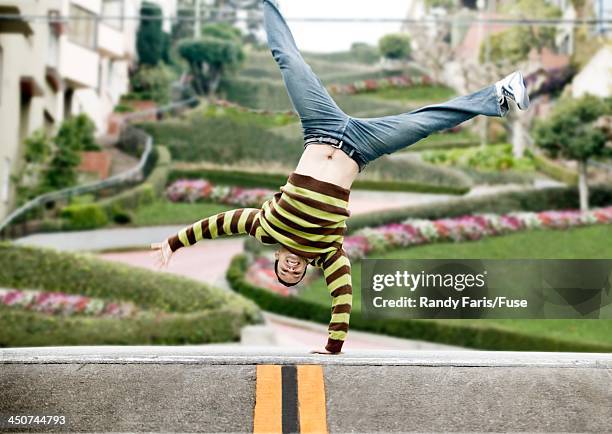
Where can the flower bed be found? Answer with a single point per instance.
(465, 228)
(412, 232)
(189, 190)
(59, 303)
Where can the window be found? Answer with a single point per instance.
(82, 27)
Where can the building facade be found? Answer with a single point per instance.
(59, 58)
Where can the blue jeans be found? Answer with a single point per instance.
(371, 137)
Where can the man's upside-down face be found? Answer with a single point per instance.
(289, 267)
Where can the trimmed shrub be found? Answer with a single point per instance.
(499, 177)
(84, 216)
(555, 170)
(21, 328)
(490, 158)
(179, 310)
(263, 94)
(132, 141)
(120, 215)
(223, 140)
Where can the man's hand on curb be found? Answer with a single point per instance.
(323, 351)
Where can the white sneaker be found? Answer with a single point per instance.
(513, 87)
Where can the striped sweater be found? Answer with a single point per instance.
(307, 217)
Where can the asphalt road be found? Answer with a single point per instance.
(225, 389)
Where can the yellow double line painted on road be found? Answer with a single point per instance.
(290, 398)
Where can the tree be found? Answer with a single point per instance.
(365, 53)
(150, 37)
(218, 51)
(183, 26)
(435, 52)
(571, 132)
(27, 181)
(75, 134)
(515, 43)
(228, 11)
(395, 46)
(445, 4)
(223, 31)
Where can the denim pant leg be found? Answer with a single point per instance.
(378, 136)
(318, 112)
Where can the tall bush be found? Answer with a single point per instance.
(153, 83)
(150, 36)
(218, 51)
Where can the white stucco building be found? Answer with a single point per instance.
(596, 77)
(59, 58)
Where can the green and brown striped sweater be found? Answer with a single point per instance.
(308, 217)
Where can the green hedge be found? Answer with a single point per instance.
(272, 95)
(20, 328)
(551, 198)
(274, 180)
(223, 140)
(84, 216)
(489, 338)
(268, 94)
(555, 170)
(175, 309)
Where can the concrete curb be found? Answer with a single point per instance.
(231, 354)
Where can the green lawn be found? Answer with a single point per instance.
(265, 121)
(582, 243)
(164, 212)
(416, 95)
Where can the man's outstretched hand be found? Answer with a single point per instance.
(323, 351)
(162, 253)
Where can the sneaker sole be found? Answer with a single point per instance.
(522, 97)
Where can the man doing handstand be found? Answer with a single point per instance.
(307, 218)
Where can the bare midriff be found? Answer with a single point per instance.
(329, 164)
